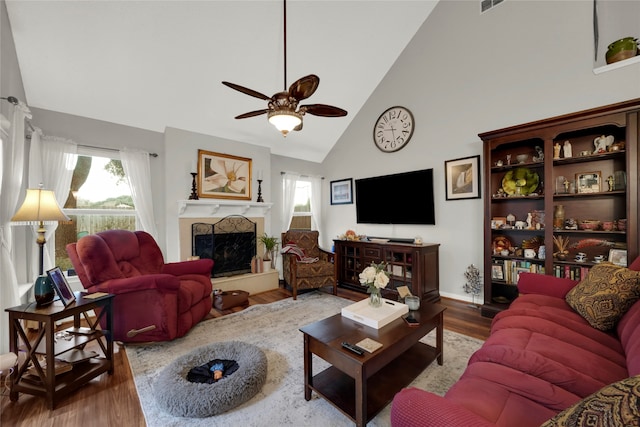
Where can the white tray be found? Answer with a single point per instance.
(376, 317)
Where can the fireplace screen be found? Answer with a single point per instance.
(230, 243)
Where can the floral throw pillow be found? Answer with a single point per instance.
(605, 295)
(617, 404)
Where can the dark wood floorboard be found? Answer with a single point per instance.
(113, 401)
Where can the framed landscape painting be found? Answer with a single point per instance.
(223, 176)
(462, 178)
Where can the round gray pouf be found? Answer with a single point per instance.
(182, 398)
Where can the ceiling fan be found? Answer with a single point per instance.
(282, 109)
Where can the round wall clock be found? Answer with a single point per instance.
(393, 129)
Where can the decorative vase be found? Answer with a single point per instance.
(558, 217)
(375, 299)
(43, 291)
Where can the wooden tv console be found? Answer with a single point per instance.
(408, 264)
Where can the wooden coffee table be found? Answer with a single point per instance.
(361, 386)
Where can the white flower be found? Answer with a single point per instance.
(227, 175)
(374, 276)
(368, 275)
(381, 280)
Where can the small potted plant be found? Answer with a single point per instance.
(270, 243)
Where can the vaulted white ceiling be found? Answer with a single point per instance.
(154, 64)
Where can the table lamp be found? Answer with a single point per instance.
(39, 207)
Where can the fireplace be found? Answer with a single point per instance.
(230, 243)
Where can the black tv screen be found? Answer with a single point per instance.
(403, 198)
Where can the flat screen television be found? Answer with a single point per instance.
(402, 198)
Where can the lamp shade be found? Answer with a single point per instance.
(39, 206)
(284, 120)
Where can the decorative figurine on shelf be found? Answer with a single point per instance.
(566, 150)
(610, 182)
(508, 159)
(602, 144)
(556, 151)
(529, 221)
(566, 184)
(540, 154)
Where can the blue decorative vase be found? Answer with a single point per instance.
(43, 291)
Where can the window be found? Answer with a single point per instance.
(302, 206)
(99, 199)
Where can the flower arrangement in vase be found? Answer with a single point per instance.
(375, 277)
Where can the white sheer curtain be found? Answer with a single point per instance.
(13, 156)
(289, 181)
(316, 204)
(137, 168)
(51, 162)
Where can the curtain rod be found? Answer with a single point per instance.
(13, 100)
(301, 175)
(110, 149)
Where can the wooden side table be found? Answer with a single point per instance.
(44, 382)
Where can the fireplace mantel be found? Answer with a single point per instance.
(221, 208)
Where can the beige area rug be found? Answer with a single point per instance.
(274, 328)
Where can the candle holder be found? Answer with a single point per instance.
(194, 188)
(259, 191)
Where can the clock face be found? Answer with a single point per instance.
(393, 129)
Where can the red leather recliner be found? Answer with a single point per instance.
(153, 301)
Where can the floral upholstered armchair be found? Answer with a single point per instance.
(304, 264)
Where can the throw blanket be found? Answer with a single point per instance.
(292, 248)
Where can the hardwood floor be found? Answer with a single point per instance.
(113, 400)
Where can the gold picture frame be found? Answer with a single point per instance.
(588, 182)
(223, 176)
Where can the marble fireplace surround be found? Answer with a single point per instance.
(211, 211)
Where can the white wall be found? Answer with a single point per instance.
(463, 74)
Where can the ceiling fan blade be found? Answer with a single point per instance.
(304, 87)
(323, 110)
(247, 91)
(252, 114)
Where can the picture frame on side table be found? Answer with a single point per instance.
(618, 257)
(462, 178)
(342, 192)
(61, 286)
(223, 176)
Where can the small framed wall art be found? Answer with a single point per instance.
(342, 192)
(223, 176)
(462, 178)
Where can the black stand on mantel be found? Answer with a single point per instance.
(260, 199)
(194, 188)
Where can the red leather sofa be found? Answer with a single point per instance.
(541, 358)
(153, 301)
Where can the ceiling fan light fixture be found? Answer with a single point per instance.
(285, 120)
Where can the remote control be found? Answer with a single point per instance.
(353, 348)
